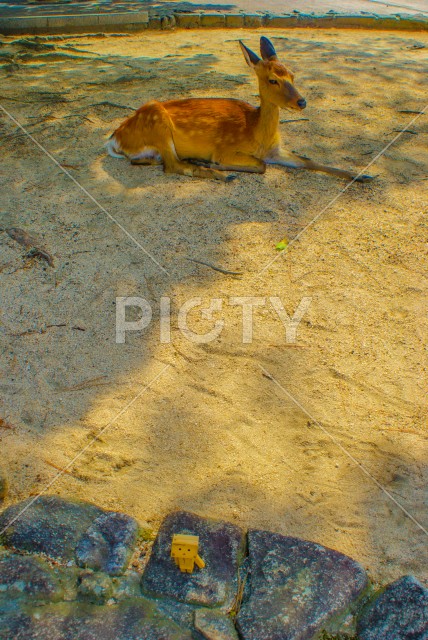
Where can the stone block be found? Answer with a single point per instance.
(214, 625)
(49, 525)
(253, 20)
(168, 22)
(356, 21)
(399, 613)
(316, 21)
(213, 20)
(26, 24)
(25, 576)
(283, 22)
(135, 17)
(71, 22)
(234, 20)
(108, 543)
(188, 20)
(297, 588)
(155, 22)
(221, 546)
(136, 619)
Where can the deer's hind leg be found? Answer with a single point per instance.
(173, 164)
(159, 134)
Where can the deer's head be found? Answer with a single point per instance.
(276, 82)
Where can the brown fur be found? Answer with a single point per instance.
(219, 133)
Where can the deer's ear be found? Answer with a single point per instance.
(251, 58)
(267, 49)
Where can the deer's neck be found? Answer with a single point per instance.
(268, 122)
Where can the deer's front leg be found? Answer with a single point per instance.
(292, 160)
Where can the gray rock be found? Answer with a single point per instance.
(127, 586)
(183, 614)
(49, 525)
(297, 588)
(213, 625)
(14, 623)
(134, 620)
(399, 613)
(28, 577)
(95, 588)
(108, 543)
(221, 546)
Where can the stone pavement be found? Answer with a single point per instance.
(72, 571)
(378, 7)
(66, 7)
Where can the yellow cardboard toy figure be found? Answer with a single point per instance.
(184, 551)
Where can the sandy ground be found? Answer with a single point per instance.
(213, 433)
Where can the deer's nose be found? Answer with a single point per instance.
(301, 103)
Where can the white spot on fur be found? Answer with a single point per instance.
(147, 153)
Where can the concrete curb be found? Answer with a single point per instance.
(343, 21)
(141, 20)
(83, 23)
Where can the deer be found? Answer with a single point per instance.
(211, 137)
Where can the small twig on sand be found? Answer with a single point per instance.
(5, 425)
(62, 469)
(86, 384)
(213, 266)
(106, 103)
(37, 252)
(31, 243)
(237, 603)
(410, 111)
(76, 115)
(298, 120)
(76, 167)
(31, 332)
(414, 133)
(289, 345)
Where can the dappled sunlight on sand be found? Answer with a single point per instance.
(213, 433)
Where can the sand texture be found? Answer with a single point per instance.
(214, 433)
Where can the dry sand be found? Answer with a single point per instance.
(213, 434)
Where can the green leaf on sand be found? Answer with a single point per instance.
(282, 245)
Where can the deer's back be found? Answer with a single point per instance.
(213, 114)
(203, 127)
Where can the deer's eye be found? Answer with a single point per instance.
(273, 82)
